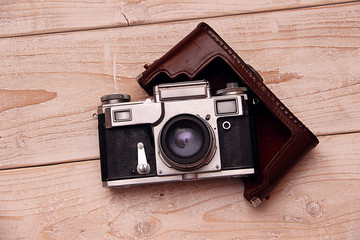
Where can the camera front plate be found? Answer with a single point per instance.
(206, 110)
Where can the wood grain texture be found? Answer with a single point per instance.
(308, 57)
(34, 17)
(319, 199)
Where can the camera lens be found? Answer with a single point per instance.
(186, 142)
(185, 139)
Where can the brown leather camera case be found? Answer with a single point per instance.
(282, 139)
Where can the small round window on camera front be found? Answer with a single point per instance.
(226, 125)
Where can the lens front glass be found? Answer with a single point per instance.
(185, 138)
(186, 142)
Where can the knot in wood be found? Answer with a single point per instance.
(147, 227)
(313, 209)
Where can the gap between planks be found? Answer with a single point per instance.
(97, 158)
(181, 20)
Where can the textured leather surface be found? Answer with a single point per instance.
(282, 139)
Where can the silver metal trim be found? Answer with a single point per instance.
(180, 177)
(226, 127)
(182, 90)
(102, 108)
(227, 173)
(143, 180)
(143, 166)
(146, 112)
(255, 201)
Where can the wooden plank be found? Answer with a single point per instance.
(25, 18)
(317, 200)
(51, 84)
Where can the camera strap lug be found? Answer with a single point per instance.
(143, 167)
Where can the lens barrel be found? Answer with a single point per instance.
(186, 142)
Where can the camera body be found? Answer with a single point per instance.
(182, 133)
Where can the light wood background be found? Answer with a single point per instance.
(58, 58)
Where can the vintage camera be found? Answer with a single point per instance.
(182, 133)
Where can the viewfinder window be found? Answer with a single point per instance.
(123, 115)
(226, 106)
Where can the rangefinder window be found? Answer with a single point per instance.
(226, 106)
